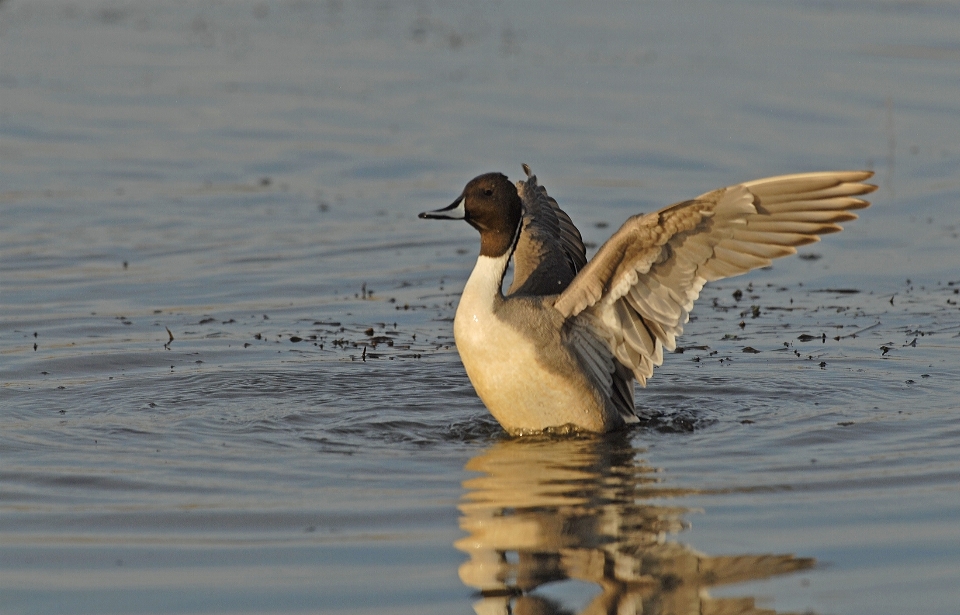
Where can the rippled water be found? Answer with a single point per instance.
(228, 376)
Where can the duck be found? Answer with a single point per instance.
(561, 349)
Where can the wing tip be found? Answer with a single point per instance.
(861, 203)
(852, 175)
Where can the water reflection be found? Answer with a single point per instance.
(554, 510)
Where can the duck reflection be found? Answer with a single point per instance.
(582, 509)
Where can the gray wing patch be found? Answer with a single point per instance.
(587, 338)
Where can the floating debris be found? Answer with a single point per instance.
(856, 333)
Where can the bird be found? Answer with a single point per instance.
(560, 351)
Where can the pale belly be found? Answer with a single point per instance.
(521, 393)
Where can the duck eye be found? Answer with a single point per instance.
(488, 191)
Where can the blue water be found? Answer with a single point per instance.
(244, 178)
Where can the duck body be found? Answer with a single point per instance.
(562, 348)
(516, 356)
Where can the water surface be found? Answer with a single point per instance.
(229, 383)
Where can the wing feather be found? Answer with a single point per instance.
(648, 296)
(550, 251)
(779, 225)
(768, 251)
(592, 344)
(742, 261)
(637, 292)
(594, 353)
(836, 204)
(779, 239)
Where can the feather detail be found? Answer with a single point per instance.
(638, 291)
(550, 250)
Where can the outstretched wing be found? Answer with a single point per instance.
(637, 292)
(550, 250)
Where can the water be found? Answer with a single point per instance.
(244, 178)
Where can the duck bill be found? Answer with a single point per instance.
(453, 211)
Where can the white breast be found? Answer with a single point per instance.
(503, 364)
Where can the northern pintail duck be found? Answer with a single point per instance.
(562, 348)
